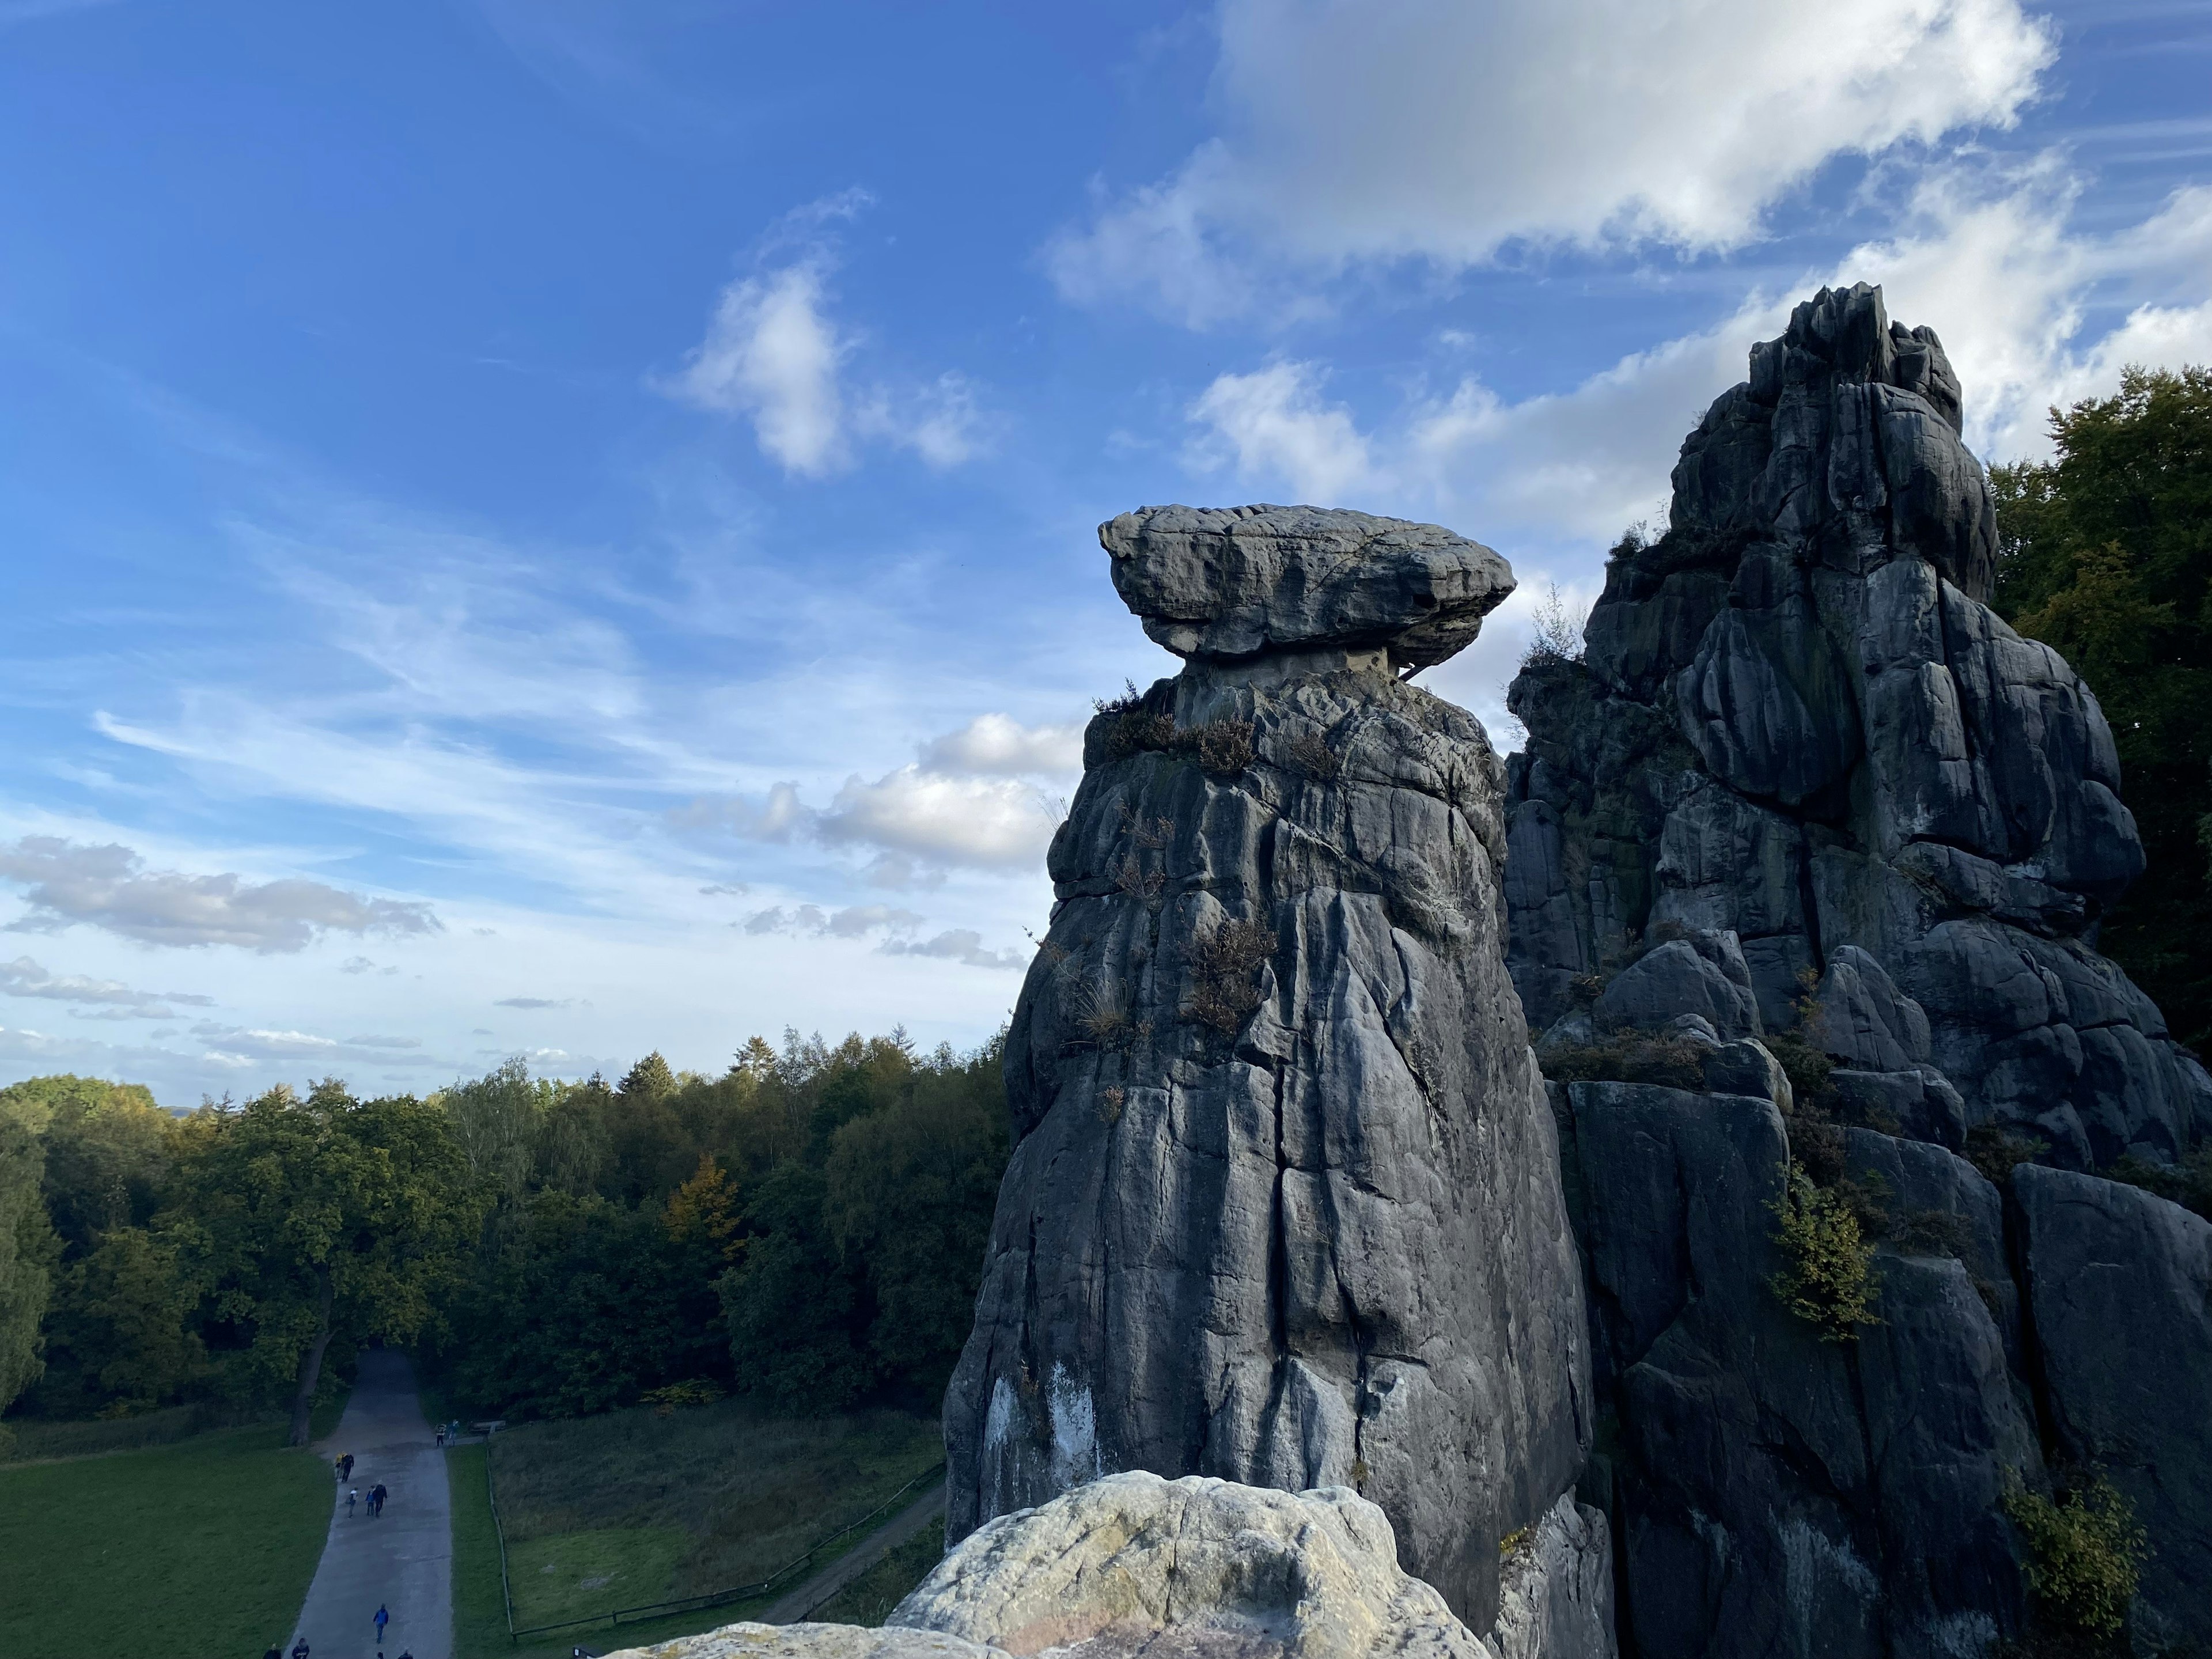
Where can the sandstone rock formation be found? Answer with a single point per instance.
(1114, 1567)
(1797, 723)
(1283, 1203)
(1133, 1566)
(1805, 789)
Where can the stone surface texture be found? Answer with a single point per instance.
(1235, 581)
(751, 1641)
(1800, 737)
(1284, 1202)
(1804, 788)
(1557, 1596)
(1134, 1563)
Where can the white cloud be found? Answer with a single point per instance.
(2031, 310)
(110, 887)
(994, 745)
(1274, 424)
(777, 817)
(774, 355)
(961, 945)
(854, 921)
(995, 822)
(1385, 129)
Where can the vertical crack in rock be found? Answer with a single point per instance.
(1285, 1190)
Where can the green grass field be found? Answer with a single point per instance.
(869, 1599)
(205, 1545)
(636, 1506)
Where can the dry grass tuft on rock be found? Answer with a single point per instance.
(1224, 971)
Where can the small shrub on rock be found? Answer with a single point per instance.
(1630, 1057)
(1222, 747)
(1828, 1279)
(1132, 728)
(1225, 971)
(1997, 1153)
(1308, 752)
(2190, 1185)
(2087, 1552)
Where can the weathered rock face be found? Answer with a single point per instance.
(1133, 1566)
(1797, 725)
(1283, 1203)
(1136, 1564)
(1802, 757)
(2121, 1288)
(1775, 1493)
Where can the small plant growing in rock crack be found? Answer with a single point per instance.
(1111, 1100)
(1101, 1013)
(1152, 834)
(1514, 1542)
(1628, 1057)
(1222, 747)
(1308, 752)
(1132, 878)
(2086, 1550)
(1555, 631)
(1997, 1152)
(1132, 728)
(1827, 1277)
(1224, 971)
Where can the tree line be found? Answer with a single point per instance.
(2106, 553)
(807, 1227)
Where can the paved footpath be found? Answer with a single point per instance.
(799, 1604)
(401, 1560)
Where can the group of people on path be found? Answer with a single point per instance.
(300, 1647)
(377, 1494)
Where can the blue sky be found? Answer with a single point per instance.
(566, 526)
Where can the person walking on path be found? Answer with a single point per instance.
(353, 1495)
(383, 1618)
(300, 1648)
(377, 1494)
(347, 1463)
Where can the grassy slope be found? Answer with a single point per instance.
(203, 1546)
(658, 1505)
(869, 1599)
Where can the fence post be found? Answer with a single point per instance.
(491, 1497)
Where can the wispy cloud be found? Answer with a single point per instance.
(110, 887)
(775, 356)
(102, 999)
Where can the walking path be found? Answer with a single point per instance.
(401, 1560)
(799, 1603)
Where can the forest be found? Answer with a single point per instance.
(807, 1227)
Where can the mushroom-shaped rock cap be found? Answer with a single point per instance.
(1237, 581)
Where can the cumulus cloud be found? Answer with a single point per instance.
(1386, 129)
(1275, 424)
(2032, 311)
(961, 945)
(993, 823)
(109, 886)
(775, 356)
(535, 1002)
(966, 802)
(994, 745)
(96, 998)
